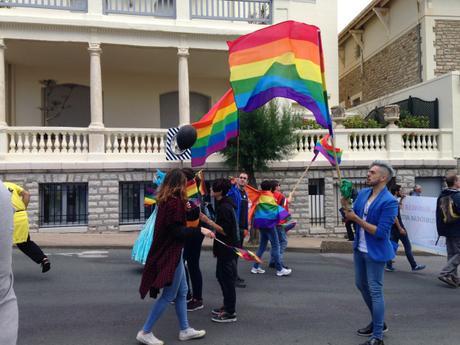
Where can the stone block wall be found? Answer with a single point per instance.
(103, 192)
(447, 45)
(395, 67)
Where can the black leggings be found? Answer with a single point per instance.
(32, 250)
(192, 251)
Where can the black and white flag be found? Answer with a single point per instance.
(171, 147)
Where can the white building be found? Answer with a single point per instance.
(88, 88)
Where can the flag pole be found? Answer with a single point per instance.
(302, 176)
(238, 153)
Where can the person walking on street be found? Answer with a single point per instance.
(226, 257)
(164, 268)
(448, 225)
(280, 230)
(268, 231)
(8, 302)
(374, 212)
(20, 199)
(240, 198)
(399, 233)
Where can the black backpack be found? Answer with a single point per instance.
(448, 208)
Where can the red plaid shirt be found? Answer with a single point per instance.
(166, 249)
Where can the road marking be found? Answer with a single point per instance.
(87, 254)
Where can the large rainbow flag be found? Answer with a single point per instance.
(282, 60)
(215, 128)
(264, 212)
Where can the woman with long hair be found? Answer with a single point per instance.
(164, 268)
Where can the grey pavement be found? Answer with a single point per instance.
(90, 297)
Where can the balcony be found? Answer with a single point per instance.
(250, 11)
(69, 5)
(60, 144)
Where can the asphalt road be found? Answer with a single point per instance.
(91, 299)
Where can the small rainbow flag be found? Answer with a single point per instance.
(215, 128)
(282, 60)
(149, 196)
(327, 150)
(268, 213)
(192, 193)
(242, 253)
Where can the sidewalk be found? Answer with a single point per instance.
(125, 240)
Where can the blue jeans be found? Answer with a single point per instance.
(282, 238)
(269, 234)
(177, 292)
(407, 249)
(369, 280)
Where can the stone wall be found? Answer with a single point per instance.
(103, 192)
(395, 67)
(447, 45)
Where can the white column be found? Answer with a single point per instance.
(96, 85)
(184, 88)
(96, 127)
(3, 124)
(2, 84)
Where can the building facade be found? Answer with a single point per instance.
(395, 44)
(88, 89)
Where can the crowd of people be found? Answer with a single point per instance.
(180, 227)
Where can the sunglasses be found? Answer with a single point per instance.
(243, 178)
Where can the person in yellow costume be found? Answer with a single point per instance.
(20, 200)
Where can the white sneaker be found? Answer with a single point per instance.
(284, 272)
(257, 270)
(191, 333)
(148, 338)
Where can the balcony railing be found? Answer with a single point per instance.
(155, 8)
(67, 143)
(252, 11)
(70, 5)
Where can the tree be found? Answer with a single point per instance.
(266, 135)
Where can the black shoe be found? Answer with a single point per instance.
(224, 317)
(46, 265)
(373, 341)
(449, 280)
(195, 304)
(239, 283)
(217, 311)
(367, 331)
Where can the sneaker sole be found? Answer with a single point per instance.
(194, 337)
(451, 284)
(197, 308)
(223, 321)
(143, 342)
(369, 334)
(257, 272)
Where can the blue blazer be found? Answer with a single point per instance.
(382, 213)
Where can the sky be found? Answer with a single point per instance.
(349, 9)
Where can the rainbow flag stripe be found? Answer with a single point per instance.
(282, 60)
(215, 129)
(268, 213)
(327, 150)
(192, 193)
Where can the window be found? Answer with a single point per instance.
(316, 202)
(356, 99)
(63, 204)
(169, 108)
(132, 209)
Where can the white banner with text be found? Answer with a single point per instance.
(418, 214)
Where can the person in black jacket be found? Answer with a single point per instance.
(226, 258)
(448, 225)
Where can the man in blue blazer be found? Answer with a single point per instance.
(374, 213)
